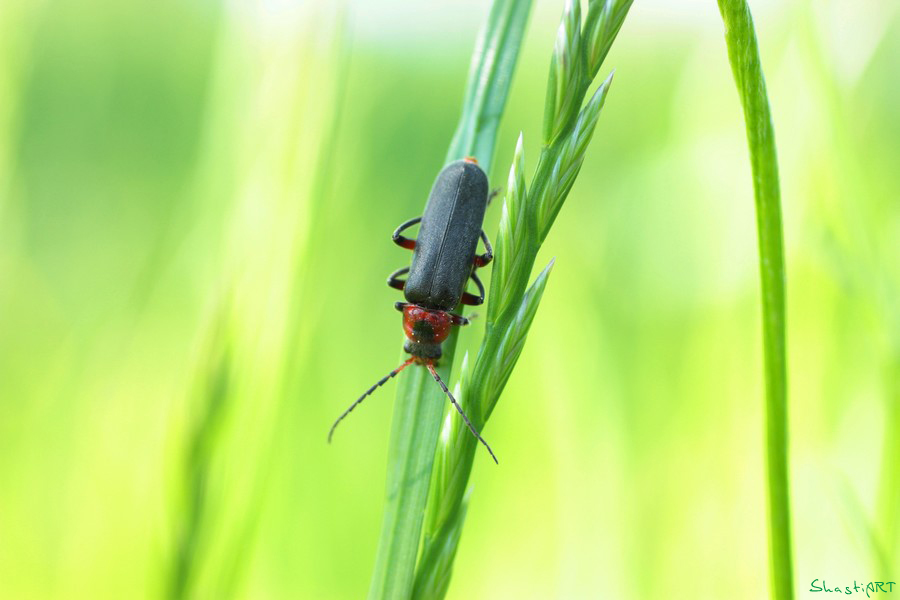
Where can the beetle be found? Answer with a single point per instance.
(444, 260)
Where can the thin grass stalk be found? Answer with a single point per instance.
(743, 53)
(419, 405)
(528, 213)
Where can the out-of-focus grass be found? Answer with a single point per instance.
(858, 239)
(630, 430)
(277, 74)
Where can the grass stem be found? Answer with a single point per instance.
(743, 53)
(420, 404)
(528, 213)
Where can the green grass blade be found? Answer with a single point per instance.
(490, 76)
(419, 405)
(743, 52)
(528, 212)
(414, 431)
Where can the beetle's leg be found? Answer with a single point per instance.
(472, 299)
(405, 242)
(494, 193)
(400, 305)
(394, 282)
(458, 320)
(483, 259)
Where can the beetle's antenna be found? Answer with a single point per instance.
(459, 408)
(381, 382)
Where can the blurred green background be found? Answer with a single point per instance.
(196, 200)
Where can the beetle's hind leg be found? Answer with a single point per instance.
(394, 280)
(472, 299)
(405, 242)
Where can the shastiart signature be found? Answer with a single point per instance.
(869, 588)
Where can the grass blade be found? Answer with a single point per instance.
(419, 405)
(415, 427)
(743, 53)
(528, 213)
(490, 75)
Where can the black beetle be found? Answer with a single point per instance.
(444, 259)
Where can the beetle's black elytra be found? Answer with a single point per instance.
(444, 254)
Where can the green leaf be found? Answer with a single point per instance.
(743, 53)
